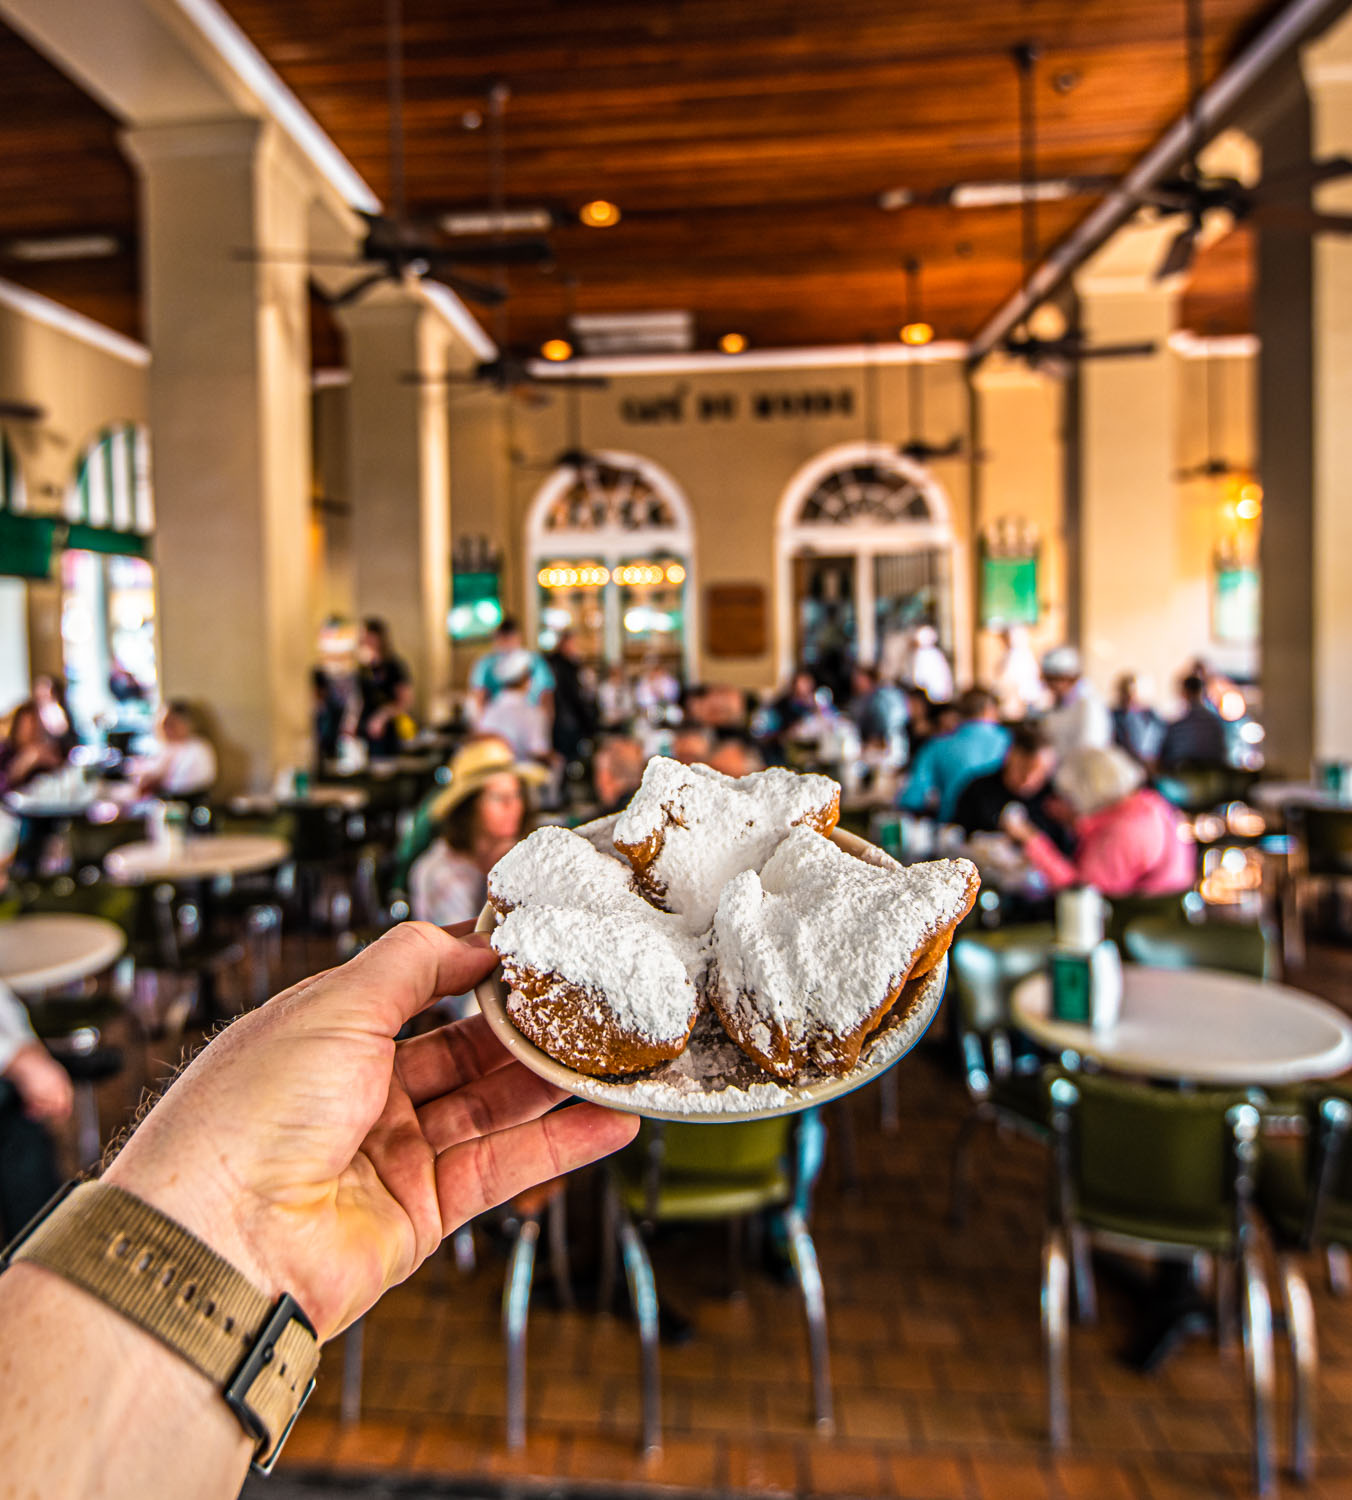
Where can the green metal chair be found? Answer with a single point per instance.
(681, 1173)
(1196, 789)
(1319, 853)
(1144, 1168)
(1305, 1194)
(1124, 910)
(1168, 942)
(1003, 1084)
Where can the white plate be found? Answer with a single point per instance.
(714, 1080)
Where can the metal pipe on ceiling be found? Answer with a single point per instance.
(1293, 25)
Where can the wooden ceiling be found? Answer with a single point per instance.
(745, 141)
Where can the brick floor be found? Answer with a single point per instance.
(934, 1336)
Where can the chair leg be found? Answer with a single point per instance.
(462, 1248)
(1082, 1265)
(959, 1175)
(610, 1237)
(353, 1350)
(803, 1257)
(558, 1250)
(1339, 1272)
(1298, 1310)
(1293, 928)
(638, 1272)
(89, 1145)
(1056, 1335)
(849, 1147)
(890, 1102)
(515, 1310)
(1225, 1302)
(1256, 1323)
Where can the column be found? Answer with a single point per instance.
(399, 477)
(1143, 599)
(229, 409)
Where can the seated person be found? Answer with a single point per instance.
(877, 708)
(735, 756)
(1128, 839)
(185, 763)
(1025, 779)
(27, 751)
(34, 1088)
(515, 713)
(1197, 736)
(480, 815)
(945, 764)
(617, 769)
(692, 743)
(1137, 728)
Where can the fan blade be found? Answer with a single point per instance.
(1115, 351)
(472, 291)
(509, 253)
(22, 411)
(295, 258)
(1306, 220)
(1301, 179)
(922, 452)
(353, 290)
(1179, 256)
(576, 382)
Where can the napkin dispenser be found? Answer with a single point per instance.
(1086, 968)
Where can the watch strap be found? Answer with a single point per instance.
(152, 1270)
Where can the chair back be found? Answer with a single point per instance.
(1168, 942)
(1195, 789)
(1323, 839)
(1124, 910)
(119, 904)
(984, 967)
(1154, 1163)
(92, 843)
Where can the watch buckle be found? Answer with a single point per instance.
(268, 1464)
(259, 1356)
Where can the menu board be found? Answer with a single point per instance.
(735, 619)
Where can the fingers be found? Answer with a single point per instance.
(448, 1058)
(481, 1173)
(510, 1096)
(399, 975)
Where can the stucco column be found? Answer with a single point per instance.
(1139, 609)
(229, 410)
(399, 477)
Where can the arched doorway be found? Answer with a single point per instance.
(864, 547)
(610, 556)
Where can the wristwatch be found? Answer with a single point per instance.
(262, 1355)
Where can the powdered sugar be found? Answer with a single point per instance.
(809, 948)
(614, 957)
(557, 867)
(712, 827)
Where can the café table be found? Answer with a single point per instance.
(1272, 796)
(45, 951)
(1199, 1026)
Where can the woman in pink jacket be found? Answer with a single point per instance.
(1128, 840)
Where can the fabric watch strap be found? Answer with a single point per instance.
(262, 1355)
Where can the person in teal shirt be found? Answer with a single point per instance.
(486, 678)
(944, 766)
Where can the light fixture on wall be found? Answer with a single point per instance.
(556, 350)
(599, 214)
(732, 343)
(916, 334)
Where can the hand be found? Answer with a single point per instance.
(42, 1083)
(323, 1159)
(1015, 822)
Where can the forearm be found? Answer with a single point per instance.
(93, 1406)
(1049, 862)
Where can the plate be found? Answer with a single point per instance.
(713, 1080)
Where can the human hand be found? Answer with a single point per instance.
(1015, 822)
(42, 1083)
(323, 1159)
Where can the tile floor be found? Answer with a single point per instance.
(934, 1341)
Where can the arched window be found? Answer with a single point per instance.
(111, 487)
(865, 549)
(609, 557)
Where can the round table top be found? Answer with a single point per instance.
(1199, 1026)
(44, 951)
(349, 798)
(201, 858)
(1274, 795)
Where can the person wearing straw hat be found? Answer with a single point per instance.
(479, 815)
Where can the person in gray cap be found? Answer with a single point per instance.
(1078, 718)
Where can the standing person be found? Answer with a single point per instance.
(947, 763)
(1018, 679)
(615, 699)
(385, 689)
(656, 689)
(1078, 717)
(1197, 736)
(185, 763)
(877, 710)
(514, 715)
(1137, 728)
(575, 714)
(480, 815)
(1128, 839)
(486, 679)
(929, 667)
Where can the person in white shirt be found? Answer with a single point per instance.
(1018, 680)
(512, 715)
(1078, 719)
(34, 1088)
(929, 667)
(185, 763)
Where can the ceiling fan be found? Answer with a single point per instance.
(1194, 195)
(1053, 356)
(915, 447)
(395, 248)
(1213, 466)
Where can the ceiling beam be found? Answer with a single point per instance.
(1293, 25)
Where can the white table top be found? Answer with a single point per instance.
(43, 952)
(1274, 795)
(1200, 1026)
(203, 857)
(349, 798)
